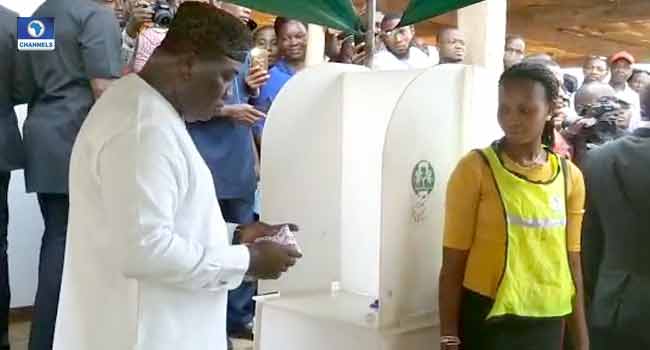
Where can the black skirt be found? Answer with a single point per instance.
(505, 333)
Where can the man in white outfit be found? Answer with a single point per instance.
(399, 52)
(148, 261)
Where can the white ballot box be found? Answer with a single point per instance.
(360, 161)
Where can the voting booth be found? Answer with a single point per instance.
(360, 160)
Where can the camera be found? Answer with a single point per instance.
(163, 13)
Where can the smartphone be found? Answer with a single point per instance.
(260, 58)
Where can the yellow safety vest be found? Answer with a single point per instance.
(537, 280)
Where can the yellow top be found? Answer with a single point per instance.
(475, 222)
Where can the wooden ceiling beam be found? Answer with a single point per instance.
(392, 6)
(595, 12)
(575, 42)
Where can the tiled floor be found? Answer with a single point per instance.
(19, 334)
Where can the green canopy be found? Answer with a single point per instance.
(338, 14)
(420, 10)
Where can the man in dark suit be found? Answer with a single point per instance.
(12, 92)
(616, 240)
(67, 82)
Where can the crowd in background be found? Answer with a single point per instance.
(585, 117)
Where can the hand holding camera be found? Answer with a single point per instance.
(158, 12)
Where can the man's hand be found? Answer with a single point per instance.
(243, 113)
(586, 123)
(250, 233)
(269, 260)
(580, 125)
(141, 13)
(257, 77)
(360, 56)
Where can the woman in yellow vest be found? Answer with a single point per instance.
(511, 272)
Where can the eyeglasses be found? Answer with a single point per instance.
(396, 32)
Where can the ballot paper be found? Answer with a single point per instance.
(284, 237)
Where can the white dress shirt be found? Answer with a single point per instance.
(417, 59)
(148, 261)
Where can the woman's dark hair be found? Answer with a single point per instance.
(259, 30)
(281, 22)
(539, 73)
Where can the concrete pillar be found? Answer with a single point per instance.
(315, 45)
(484, 25)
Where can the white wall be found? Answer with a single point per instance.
(25, 223)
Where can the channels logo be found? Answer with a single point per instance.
(36, 34)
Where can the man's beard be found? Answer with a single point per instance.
(403, 55)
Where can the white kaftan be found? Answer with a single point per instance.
(148, 262)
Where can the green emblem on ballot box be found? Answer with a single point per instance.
(423, 179)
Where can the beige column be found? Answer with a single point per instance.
(484, 25)
(315, 45)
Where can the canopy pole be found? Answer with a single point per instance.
(371, 11)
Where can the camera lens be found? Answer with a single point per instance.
(163, 19)
(162, 14)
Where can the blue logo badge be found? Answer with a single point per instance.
(36, 34)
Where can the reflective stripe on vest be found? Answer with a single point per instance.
(537, 280)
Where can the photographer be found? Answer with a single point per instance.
(145, 30)
(604, 120)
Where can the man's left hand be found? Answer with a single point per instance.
(251, 232)
(257, 77)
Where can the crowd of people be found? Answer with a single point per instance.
(549, 123)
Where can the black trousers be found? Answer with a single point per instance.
(54, 208)
(611, 339)
(5, 293)
(516, 333)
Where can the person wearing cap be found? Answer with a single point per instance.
(154, 271)
(621, 64)
(227, 145)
